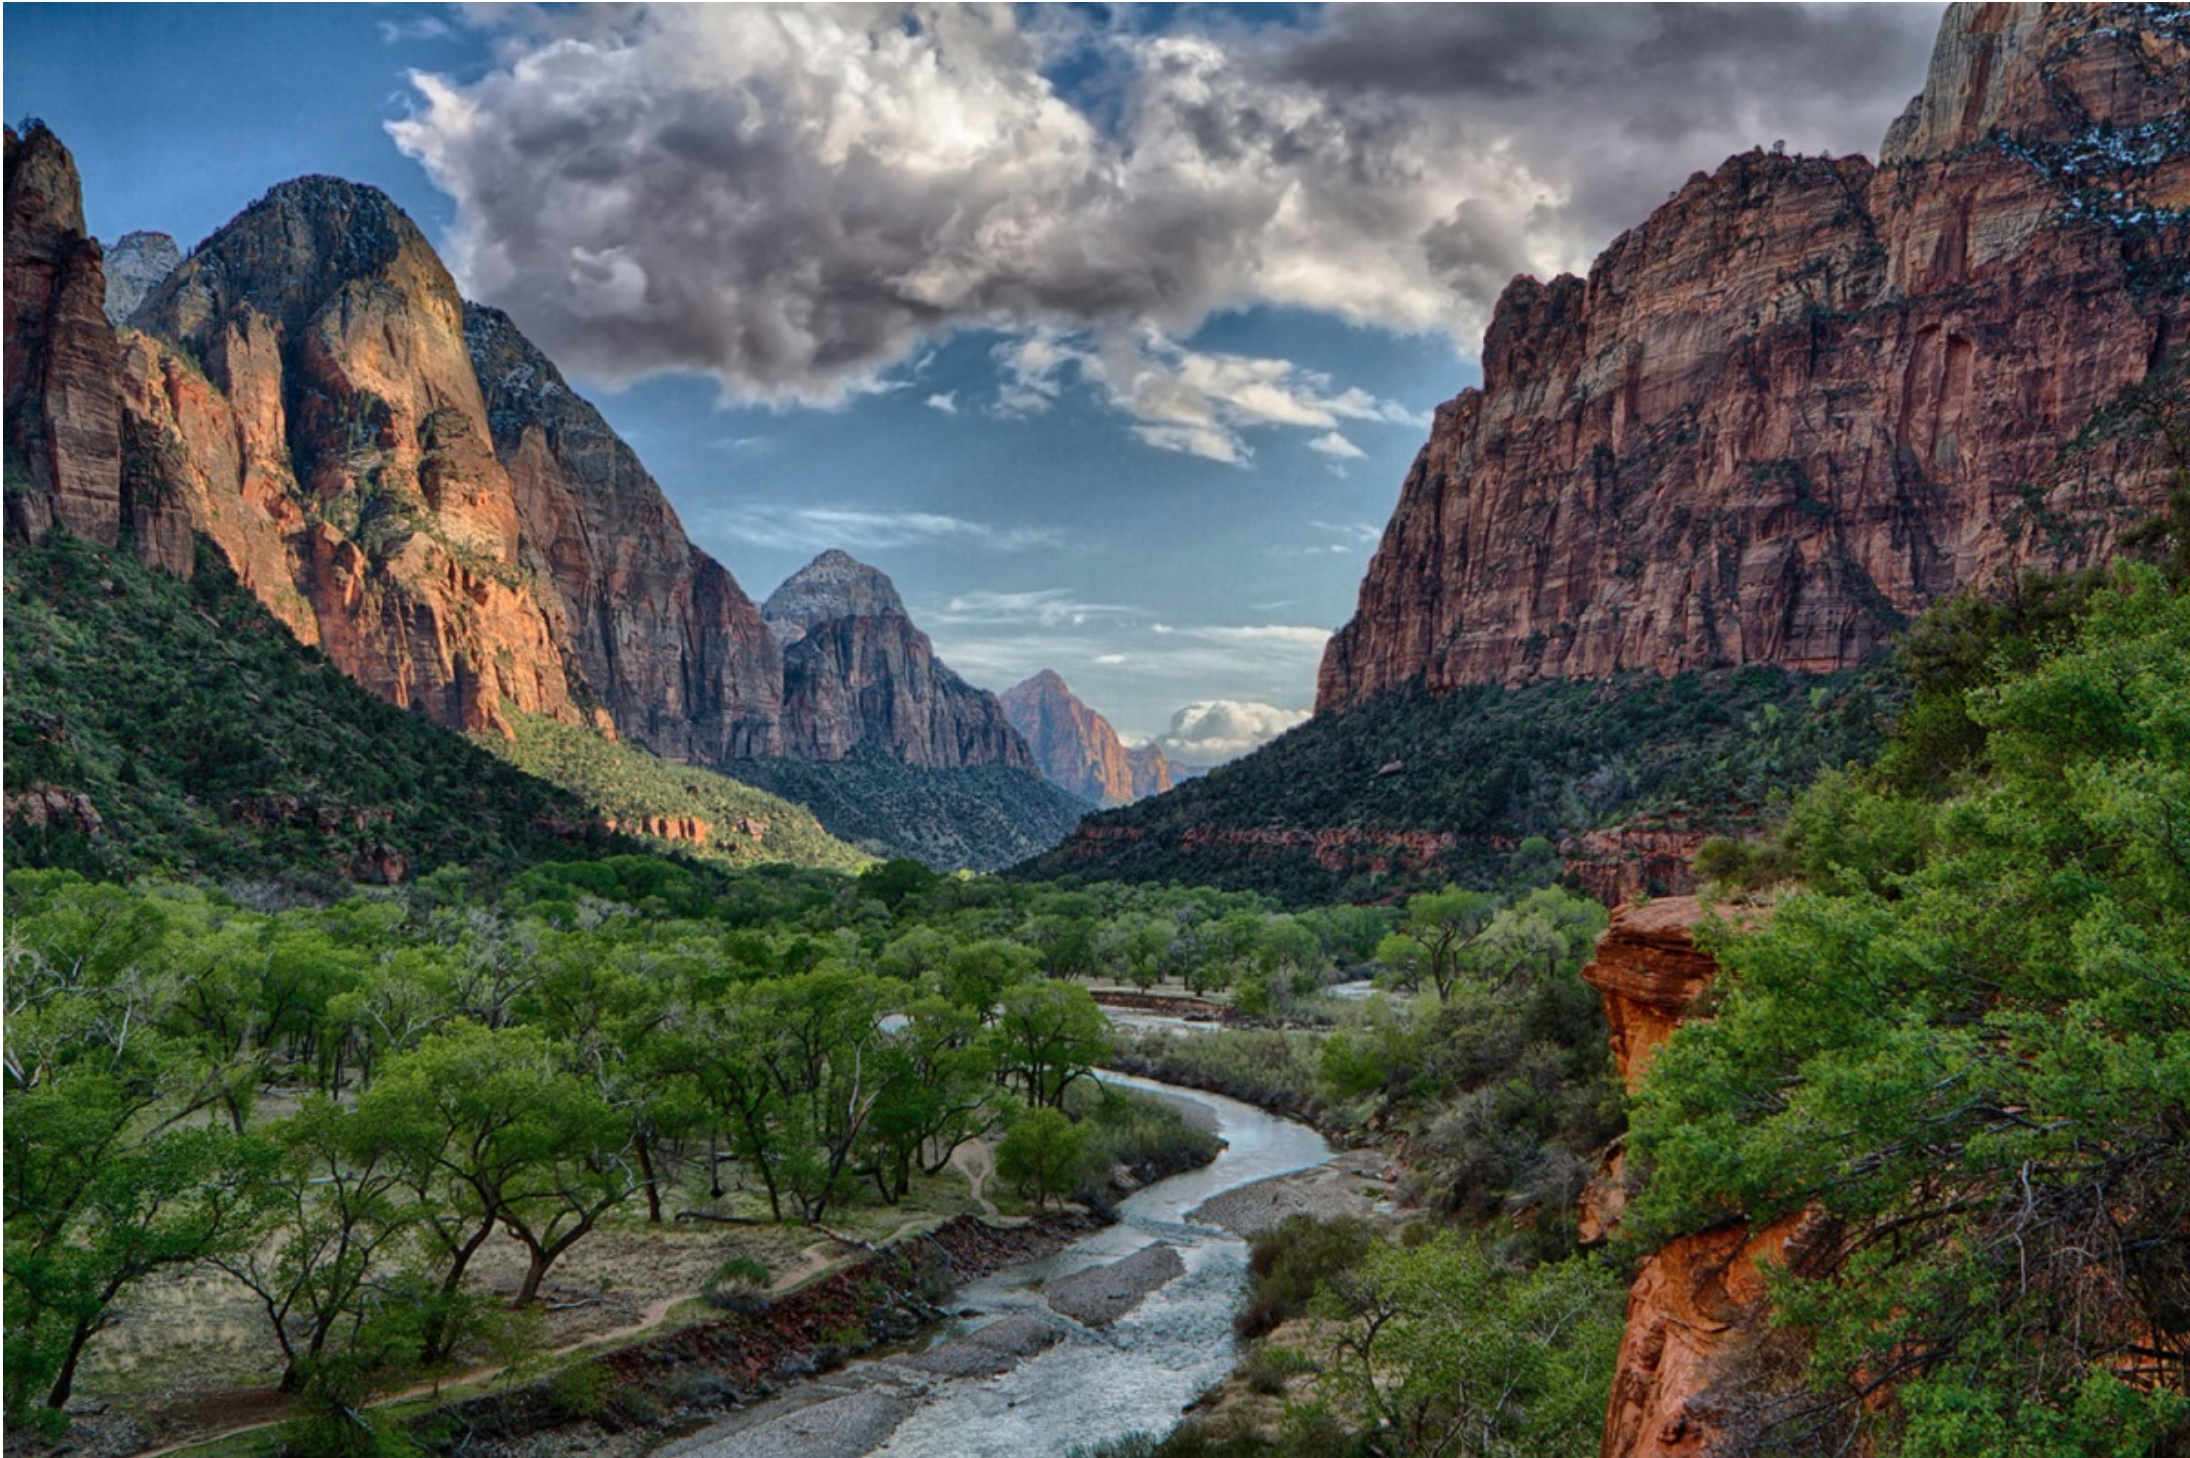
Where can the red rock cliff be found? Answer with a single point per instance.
(1075, 747)
(1698, 1317)
(302, 385)
(64, 441)
(664, 638)
(1808, 397)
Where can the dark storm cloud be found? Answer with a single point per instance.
(799, 199)
(1624, 101)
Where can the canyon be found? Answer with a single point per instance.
(1811, 396)
(414, 489)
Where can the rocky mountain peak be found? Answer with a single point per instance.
(834, 585)
(137, 264)
(289, 253)
(2042, 73)
(1076, 748)
(44, 192)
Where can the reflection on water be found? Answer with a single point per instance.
(1136, 1375)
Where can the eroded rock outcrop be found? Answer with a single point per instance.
(665, 641)
(63, 411)
(1811, 396)
(1650, 971)
(1076, 749)
(1698, 1338)
(858, 675)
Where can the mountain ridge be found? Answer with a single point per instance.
(1808, 397)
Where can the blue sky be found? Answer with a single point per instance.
(1109, 334)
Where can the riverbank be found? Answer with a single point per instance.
(627, 1401)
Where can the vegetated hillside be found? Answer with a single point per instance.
(695, 810)
(980, 818)
(158, 724)
(1948, 1074)
(1411, 789)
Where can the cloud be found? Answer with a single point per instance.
(800, 199)
(431, 27)
(1193, 401)
(1293, 637)
(816, 527)
(1221, 729)
(945, 401)
(1336, 445)
(1047, 608)
(1112, 660)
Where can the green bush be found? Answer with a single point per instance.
(1289, 1263)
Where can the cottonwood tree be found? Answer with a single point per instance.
(1049, 1036)
(495, 1129)
(1435, 938)
(336, 1201)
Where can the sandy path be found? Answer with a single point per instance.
(977, 1161)
(653, 1314)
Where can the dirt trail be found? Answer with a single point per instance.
(651, 1316)
(977, 1161)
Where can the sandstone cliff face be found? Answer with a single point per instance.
(1698, 1315)
(857, 675)
(664, 639)
(302, 384)
(63, 420)
(1809, 397)
(1152, 772)
(1650, 970)
(1075, 747)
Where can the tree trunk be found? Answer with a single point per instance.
(645, 1147)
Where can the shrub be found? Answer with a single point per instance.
(740, 1284)
(1286, 1265)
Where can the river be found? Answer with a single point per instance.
(1092, 1384)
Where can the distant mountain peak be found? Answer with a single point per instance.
(1076, 748)
(834, 585)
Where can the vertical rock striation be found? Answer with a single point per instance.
(664, 639)
(1808, 397)
(63, 414)
(857, 675)
(301, 382)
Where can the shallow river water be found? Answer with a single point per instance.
(1135, 1375)
(1091, 1383)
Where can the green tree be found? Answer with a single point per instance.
(337, 1208)
(1041, 1155)
(1450, 1354)
(1964, 1043)
(495, 1130)
(1434, 939)
(1050, 1035)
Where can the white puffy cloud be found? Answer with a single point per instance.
(1221, 729)
(1193, 401)
(799, 199)
(1336, 445)
(945, 401)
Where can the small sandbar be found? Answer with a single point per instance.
(1100, 1296)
